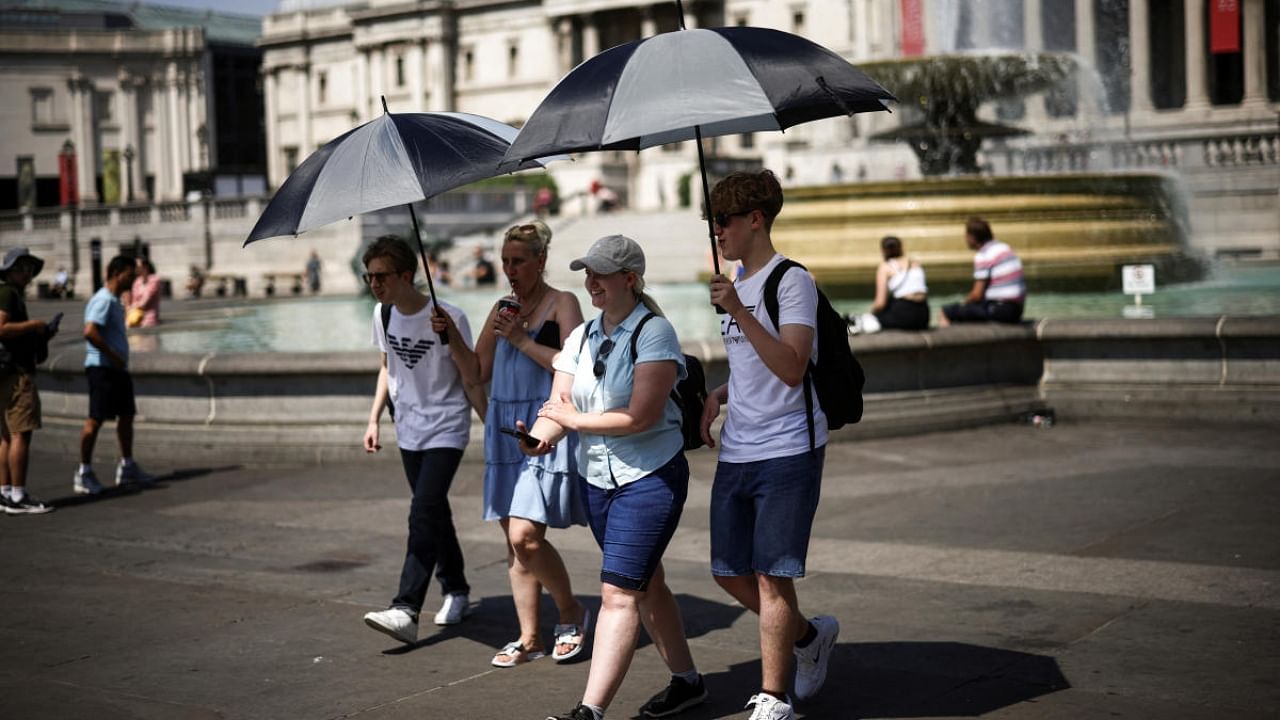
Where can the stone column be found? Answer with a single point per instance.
(302, 88)
(441, 58)
(85, 138)
(1139, 58)
(564, 44)
(160, 136)
(129, 136)
(173, 133)
(1033, 41)
(377, 80)
(361, 85)
(275, 163)
(1087, 85)
(590, 36)
(1196, 62)
(648, 25)
(1255, 53)
(417, 83)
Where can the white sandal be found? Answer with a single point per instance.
(571, 634)
(516, 655)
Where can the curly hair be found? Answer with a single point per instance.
(742, 192)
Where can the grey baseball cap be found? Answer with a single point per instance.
(610, 254)
(16, 254)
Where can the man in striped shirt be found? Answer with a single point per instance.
(999, 290)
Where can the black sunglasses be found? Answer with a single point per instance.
(606, 347)
(722, 219)
(381, 277)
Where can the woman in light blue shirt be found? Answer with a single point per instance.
(634, 474)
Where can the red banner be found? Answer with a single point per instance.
(912, 28)
(1224, 26)
(68, 190)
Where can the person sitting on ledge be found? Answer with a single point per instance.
(902, 298)
(999, 290)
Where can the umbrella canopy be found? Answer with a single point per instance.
(397, 159)
(677, 85)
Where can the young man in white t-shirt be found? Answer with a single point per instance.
(769, 476)
(427, 383)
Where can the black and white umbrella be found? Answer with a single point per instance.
(397, 159)
(688, 84)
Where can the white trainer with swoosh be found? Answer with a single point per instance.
(811, 661)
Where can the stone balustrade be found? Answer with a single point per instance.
(312, 407)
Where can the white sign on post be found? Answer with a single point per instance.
(1138, 280)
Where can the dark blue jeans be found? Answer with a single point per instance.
(433, 543)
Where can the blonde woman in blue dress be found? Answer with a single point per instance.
(520, 339)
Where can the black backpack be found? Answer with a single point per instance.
(837, 375)
(690, 394)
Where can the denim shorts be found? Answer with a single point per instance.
(762, 514)
(634, 523)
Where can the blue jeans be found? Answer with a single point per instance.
(762, 514)
(634, 523)
(433, 543)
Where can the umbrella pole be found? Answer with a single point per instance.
(426, 268)
(706, 205)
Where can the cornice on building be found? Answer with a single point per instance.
(169, 43)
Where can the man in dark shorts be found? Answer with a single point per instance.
(22, 339)
(106, 363)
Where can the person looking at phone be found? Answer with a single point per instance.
(106, 365)
(22, 339)
(767, 483)
(631, 468)
(430, 385)
(520, 338)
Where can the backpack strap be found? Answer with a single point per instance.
(771, 306)
(635, 336)
(386, 319)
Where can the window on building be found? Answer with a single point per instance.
(742, 20)
(747, 141)
(1058, 34)
(797, 21)
(399, 71)
(103, 105)
(42, 112)
(290, 158)
(673, 147)
(513, 60)
(322, 86)
(1272, 15)
(468, 64)
(1111, 38)
(1226, 70)
(1168, 58)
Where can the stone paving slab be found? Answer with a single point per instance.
(1101, 570)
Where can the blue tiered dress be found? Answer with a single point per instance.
(542, 489)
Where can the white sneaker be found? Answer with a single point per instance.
(396, 622)
(132, 473)
(456, 607)
(86, 483)
(811, 661)
(769, 707)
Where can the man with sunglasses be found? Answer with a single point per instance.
(767, 482)
(427, 384)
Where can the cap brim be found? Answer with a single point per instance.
(600, 266)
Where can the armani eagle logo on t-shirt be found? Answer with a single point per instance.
(731, 331)
(408, 351)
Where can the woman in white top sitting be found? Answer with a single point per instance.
(902, 298)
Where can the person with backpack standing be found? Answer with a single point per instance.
(430, 386)
(23, 341)
(769, 475)
(632, 470)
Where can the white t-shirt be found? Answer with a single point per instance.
(431, 406)
(766, 419)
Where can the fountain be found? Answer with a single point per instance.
(1073, 231)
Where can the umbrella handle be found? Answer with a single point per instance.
(426, 267)
(706, 205)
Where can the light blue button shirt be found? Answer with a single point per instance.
(610, 461)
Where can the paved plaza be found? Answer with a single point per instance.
(1084, 571)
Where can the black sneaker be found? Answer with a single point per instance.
(579, 712)
(676, 697)
(26, 506)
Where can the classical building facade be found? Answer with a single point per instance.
(154, 102)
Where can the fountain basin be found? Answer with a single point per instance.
(1071, 231)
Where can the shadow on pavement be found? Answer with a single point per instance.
(110, 492)
(904, 679)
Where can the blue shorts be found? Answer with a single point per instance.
(634, 523)
(762, 514)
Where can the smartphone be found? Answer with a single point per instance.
(521, 435)
(52, 326)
